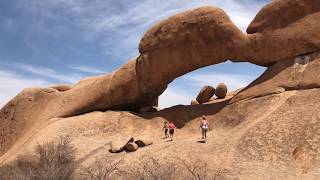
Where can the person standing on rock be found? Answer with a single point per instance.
(204, 125)
(165, 128)
(171, 127)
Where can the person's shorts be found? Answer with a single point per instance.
(166, 131)
(171, 131)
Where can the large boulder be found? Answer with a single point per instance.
(143, 143)
(205, 94)
(221, 91)
(116, 147)
(130, 147)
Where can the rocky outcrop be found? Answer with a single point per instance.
(284, 29)
(205, 94)
(301, 72)
(173, 47)
(221, 91)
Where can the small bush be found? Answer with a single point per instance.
(151, 168)
(51, 161)
(101, 169)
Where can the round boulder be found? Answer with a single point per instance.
(205, 94)
(221, 91)
(130, 147)
(115, 147)
(143, 143)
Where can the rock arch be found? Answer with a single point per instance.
(175, 46)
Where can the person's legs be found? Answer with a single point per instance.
(166, 133)
(171, 131)
(205, 133)
(202, 132)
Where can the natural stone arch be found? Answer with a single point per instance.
(176, 46)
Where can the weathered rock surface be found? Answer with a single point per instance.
(221, 91)
(301, 72)
(284, 29)
(194, 102)
(205, 94)
(61, 88)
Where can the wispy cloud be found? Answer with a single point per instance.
(233, 81)
(49, 73)
(12, 83)
(174, 96)
(87, 69)
(119, 25)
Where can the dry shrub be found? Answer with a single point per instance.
(53, 160)
(101, 169)
(197, 169)
(152, 168)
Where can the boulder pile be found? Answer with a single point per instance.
(131, 145)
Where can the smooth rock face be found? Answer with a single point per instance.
(301, 72)
(284, 29)
(221, 91)
(281, 13)
(205, 94)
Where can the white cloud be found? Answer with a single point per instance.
(49, 73)
(174, 96)
(87, 69)
(12, 83)
(233, 81)
(119, 25)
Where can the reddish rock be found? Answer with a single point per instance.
(221, 91)
(205, 94)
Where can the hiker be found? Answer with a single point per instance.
(165, 128)
(204, 127)
(171, 127)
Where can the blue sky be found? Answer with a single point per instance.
(46, 42)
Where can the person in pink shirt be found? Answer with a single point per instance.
(171, 128)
